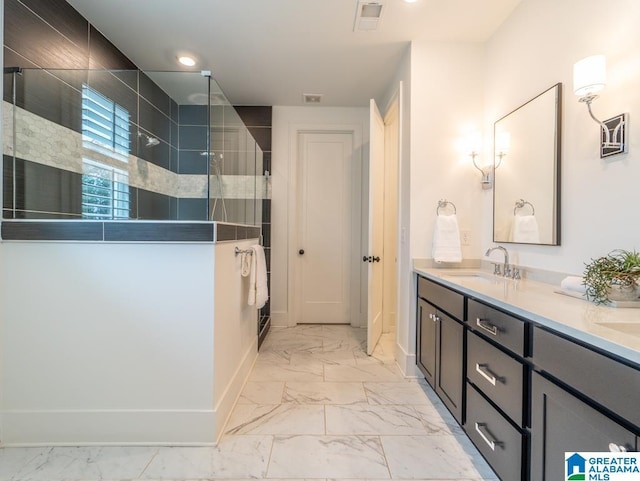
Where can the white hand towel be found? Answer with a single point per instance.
(246, 263)
(525, 229)
(573, 283)
(446, 239)
(258, 289)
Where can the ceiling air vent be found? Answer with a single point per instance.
(367, 16)
(312, 99)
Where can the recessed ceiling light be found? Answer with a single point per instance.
(187, 61)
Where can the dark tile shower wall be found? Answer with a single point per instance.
(259, 121)
(52, 35)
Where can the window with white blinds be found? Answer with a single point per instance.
(105, 191)
(105, 124)
(105, 130)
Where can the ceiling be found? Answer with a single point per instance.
(270, 52)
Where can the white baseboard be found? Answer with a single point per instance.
(406, 362)
(115, 427)
(139, 427)
(225, 405)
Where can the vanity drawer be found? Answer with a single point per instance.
(605, 380)
(499, 442)
(498, 326)
(449, 301)
(497, 375)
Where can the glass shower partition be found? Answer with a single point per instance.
(126, 145)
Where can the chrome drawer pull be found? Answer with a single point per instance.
(485, 437)
(487, 326)
(485, 373)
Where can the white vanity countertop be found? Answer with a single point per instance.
(616, 330)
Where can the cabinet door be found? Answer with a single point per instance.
(427, 335)
(562, 422)
(449, 384)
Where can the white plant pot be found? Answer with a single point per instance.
(624, 293)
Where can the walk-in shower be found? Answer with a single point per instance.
(127, 144)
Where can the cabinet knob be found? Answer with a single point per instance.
(616, 448)
(301, 252)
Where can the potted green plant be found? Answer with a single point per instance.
(615, 276)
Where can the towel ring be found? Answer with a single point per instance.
(521, 203)
(442, 203)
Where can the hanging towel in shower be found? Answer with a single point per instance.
(446, 239)
(525, 229)
(258, 290)
(246, 263)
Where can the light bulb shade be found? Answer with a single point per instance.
(503, 141)
(589, 75)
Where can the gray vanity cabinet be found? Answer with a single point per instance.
(563, 423)
(427, 335)
(497, 388)
(582, 400)
(440, 339)
(530, 392)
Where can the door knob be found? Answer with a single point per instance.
(376, 259)
(366, 258)
(301, 252)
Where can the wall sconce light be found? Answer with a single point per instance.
(589, 78)
(473, 145)
(485, 170)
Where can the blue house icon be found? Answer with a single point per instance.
(576, 464)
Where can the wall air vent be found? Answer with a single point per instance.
(368, 16)
(312, 99)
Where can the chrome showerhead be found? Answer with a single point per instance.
(151, 141)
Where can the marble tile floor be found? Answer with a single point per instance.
(315, 407)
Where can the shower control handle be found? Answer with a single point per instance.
(301, 252)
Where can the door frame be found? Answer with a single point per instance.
(293, 291)
(404, 328)
(391, 120)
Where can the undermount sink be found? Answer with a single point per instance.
(471, 276)
(631, 328)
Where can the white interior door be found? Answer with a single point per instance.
(324, 242)
(375, 234)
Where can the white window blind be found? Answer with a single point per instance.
(105, 191)
(105, 124)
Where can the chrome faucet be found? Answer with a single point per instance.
(506, 271)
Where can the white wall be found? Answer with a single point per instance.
(235, 346)
(114, 343)
(442, 107)
(447, 103)
(285, 122)
(405, 340)
(536, 48)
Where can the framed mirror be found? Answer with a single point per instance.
(526, 191)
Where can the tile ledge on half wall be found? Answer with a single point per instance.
(125, 231)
